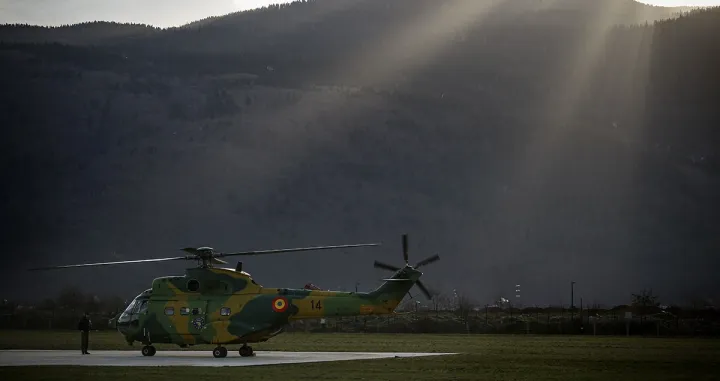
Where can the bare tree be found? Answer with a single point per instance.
(440, 302)
(407, 304)
(464, 306)
(115, 304)
(71, 298)
(48, 304)
(644, 302)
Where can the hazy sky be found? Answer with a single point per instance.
(162, 13)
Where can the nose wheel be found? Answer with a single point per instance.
(148, 350)
(220, 352)
(246, 351)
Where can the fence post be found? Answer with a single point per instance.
(628, 319)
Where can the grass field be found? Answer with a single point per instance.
(483, 357)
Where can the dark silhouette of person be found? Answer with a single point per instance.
(84, 327)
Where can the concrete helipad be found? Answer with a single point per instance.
(184, 358)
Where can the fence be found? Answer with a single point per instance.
(520, 323)
(702, 323)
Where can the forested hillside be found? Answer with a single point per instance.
(516, 139)
(88, 33)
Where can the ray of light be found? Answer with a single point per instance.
(322, 117)
(421, 40)
(529, 198)
(564, 99)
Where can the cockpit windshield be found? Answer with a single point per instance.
(129, 309)
(135, 307)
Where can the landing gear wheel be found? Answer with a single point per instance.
(220, 352)
(148, 350)
(246, 351)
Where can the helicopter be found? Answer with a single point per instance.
(224, 306)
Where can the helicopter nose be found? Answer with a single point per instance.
(123, 327)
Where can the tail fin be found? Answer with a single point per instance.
(392, 289)
(396, 287)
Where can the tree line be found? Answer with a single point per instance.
(444, 313)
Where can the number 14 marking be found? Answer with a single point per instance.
(315, 305)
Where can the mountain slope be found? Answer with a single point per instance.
(484, 152)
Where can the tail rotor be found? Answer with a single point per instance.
(406, 257)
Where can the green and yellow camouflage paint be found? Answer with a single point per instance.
(222, 306)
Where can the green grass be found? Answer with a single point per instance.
(481, 357)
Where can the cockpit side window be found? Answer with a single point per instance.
(143, 306)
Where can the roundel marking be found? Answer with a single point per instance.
(279, 304)
(198, 322)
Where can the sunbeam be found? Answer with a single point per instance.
(416, 43)
(546, 175)
(323, 117)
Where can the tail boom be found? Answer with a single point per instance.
(381, 301)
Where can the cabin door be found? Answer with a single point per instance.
(197, 317)
(185, 319)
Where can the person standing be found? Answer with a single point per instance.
(84, 327)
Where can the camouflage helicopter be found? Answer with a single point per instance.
(224, 306)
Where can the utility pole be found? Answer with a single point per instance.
(572, 301)
(486, 318)
(356, 290)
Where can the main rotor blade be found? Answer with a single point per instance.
(405, 247)
(274, 251)
(428, 261)
(424, 290)
(110, 263)
(381, 265)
